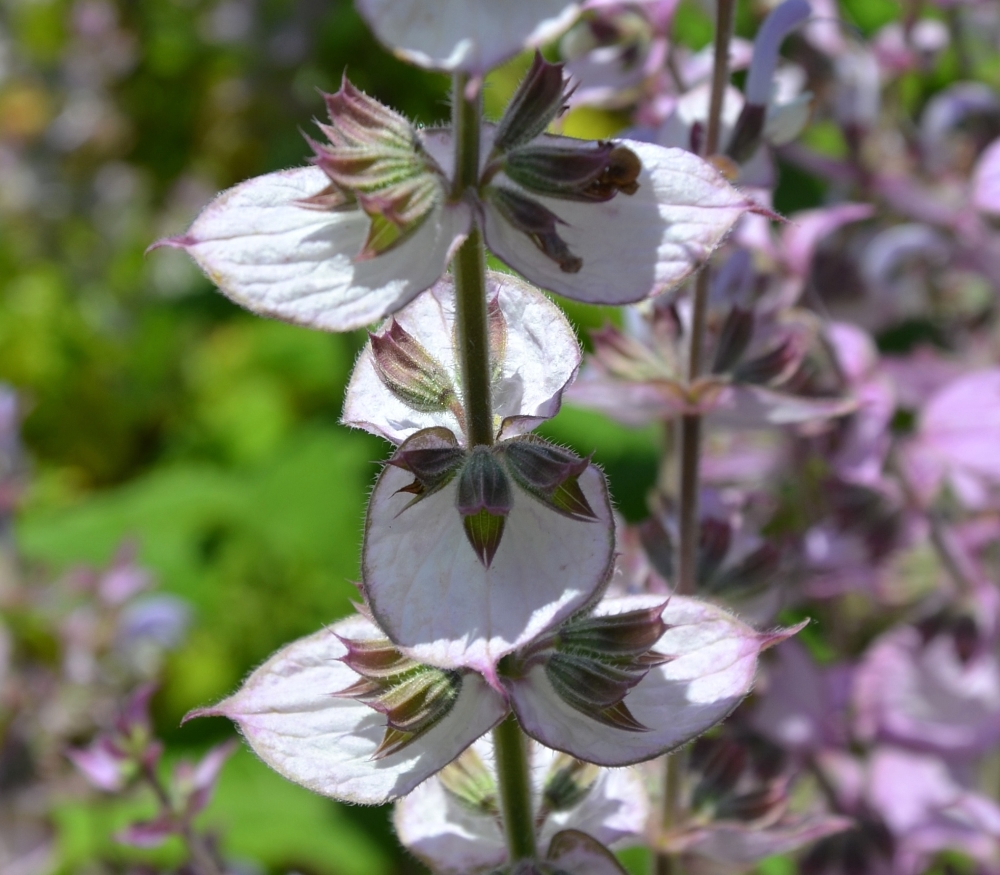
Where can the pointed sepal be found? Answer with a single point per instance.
(289, 712)
(549, 473)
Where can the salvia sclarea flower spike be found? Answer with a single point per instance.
(451, 821)
(637, 377)
(375, 221)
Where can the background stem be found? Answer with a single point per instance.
(690, 429)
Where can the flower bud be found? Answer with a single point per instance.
(567, 783)
(595, 661)
(582, 173)
(468, 781)
(410, 372)
(433, 457)
(375, 159)
(539, 100)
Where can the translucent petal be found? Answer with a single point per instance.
(712, 667)
(469, 35)
(437, 602)
(632, 246)
(271, 254)
(288, 713)
(540, 358)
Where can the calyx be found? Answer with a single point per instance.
(413, 697)
(486, 480)
(593, 662)
(375, 160)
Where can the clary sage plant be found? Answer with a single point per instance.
(489, 554)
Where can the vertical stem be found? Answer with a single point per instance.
(515, 790)
(469, 269)
(513, 777)
(690, 430)
(720, 72)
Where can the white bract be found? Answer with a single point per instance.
(437, 600)
(469, 35)
(710, 659)
(289, 712)
(535, 355)
(456, 832)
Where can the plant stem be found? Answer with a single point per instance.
(515, 790)
(690, 430)
(469, 269)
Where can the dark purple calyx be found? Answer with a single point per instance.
(549, 473)
(539, 100)
(593, 663)
(433, 457)
(594, 172)
(537, 222)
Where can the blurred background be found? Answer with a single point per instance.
(157, 413)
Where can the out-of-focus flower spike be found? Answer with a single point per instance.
(734, 338)
(986, 180)
(778, 25)
(538, 101)
(760, 78)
